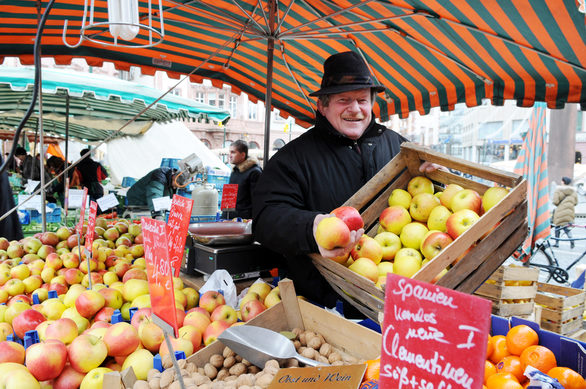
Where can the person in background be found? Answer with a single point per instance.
(565, 199)
(245, 174)
(25, 163)
(317, 172)
(160, 182)
(10, 227)
(91, 174)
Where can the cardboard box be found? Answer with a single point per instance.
(483, 247)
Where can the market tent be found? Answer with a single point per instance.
(426, 53)
(97, 105)
(136, 156)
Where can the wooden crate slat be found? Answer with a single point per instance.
(443, 176)
(563, 329)
(519, 292)
(513, 309)
(513, 273)
(489, 290)
(562, 316)
(567, 297)
(412, 161)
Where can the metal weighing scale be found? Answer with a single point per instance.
(229, 246)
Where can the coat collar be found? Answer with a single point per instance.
(246, 164)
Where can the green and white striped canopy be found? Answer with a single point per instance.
(427, 53)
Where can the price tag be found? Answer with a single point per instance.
(75, 198)
(433, 337)
(229, 196)
(79, 227)
(177, 230)
(30, 186)
(159, 274)
(91, 225)
(33, 203)
(322, 377)
(108, 201)
(162, 203)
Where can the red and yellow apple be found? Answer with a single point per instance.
(438, 218)
(46, 360)
(460, 221)
(493, 196)
(211, 299)
(394, 218)
(350, 216)
(366, 268)
(332, 233)
(250, 310)
(466, 199)
(367, 247)
(434, 243)
(422, 205)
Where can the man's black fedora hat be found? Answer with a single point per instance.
(345, 72)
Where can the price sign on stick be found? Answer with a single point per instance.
(433, 337)
(108, 201)
(91, 225)
(159, 273)
(177, 230)
(79, 227)
(229, 195)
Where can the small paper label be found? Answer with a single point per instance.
(30, 186)
(321, 377)
(33, 203)
(75, 197)
(108, 201)
(162, 203)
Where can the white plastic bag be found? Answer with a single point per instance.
(220, 280)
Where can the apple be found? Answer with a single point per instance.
(137, 250)
(341, 258)
(332, 233)
(197, 319)
(15, 250)
(151, 335)
(17, 376)
(224, 312)
(365, 267)
(141, 361)
(53, 309)
(4, 276)
(110, 277)
(144, 301)
(113, 298)
(385, 267)
(192, 297)
(32, 245)
(5, 329)
(460, 221)
(87, 352)
(72, 294)
(134, 288)
(45, 250)
(96, 279)
(11, 352)
(111, 234)
(247, 297)
(54, 260)
(20, 272)
(72, 241)
(390, 244)
(422, 205)
(4, 243)
(68, 379)
(70, 260)
(140, 263)
(89, 302)
(434, 243)
(63, 233)
(32, 283)
(4, 296)
(122, 339)
(419, 184)
(83, 265)
(350, 216)
(140, 316)
(251, 309)
(261, 288)
(394, 218)
(399, 197)
(46, 360)
(29, 258)
(438, 218)
(14, 287)
(272, 299)
(73, 276)
(124, 241)
(104, 314)
(367, 247)
(193, 335)
(493, 196)
(26, 321)
(94, 379)
(121, 227)
(211, 299)
(407, 262)
(63, 329)
(49, 238)
(215, 328)
(412, 235)
(448, 194)
(466, 199)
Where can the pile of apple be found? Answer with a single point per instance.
(417, 225)
(78, 341)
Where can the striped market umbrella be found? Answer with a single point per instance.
(426, 53)
(532, 165)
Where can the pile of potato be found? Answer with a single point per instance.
(228, 371)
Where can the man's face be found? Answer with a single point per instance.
(236, 156)
(349, 112)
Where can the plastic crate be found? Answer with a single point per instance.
(128, 181)
(218, 181)
(170, 162)
(53, 216)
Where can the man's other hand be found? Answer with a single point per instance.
(340, 251)
(428, 167)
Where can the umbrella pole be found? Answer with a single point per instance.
(42, 158)
(66, 178)
(269, 91)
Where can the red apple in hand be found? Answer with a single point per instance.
(350, 216)
(460, 221)
(434, 242)
(332, 233)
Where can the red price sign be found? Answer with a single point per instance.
(79, 227)
(229, 195)
(91, 225)
(433, 337)
(159, 273)
(177, 225)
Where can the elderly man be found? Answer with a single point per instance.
(321, 169)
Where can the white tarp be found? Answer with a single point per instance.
(136, 156)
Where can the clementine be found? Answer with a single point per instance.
(500, 348)
(489, 369)
(520, 337)
(539, 357)
(502, 381)
(372, 370)
(567, 377)
(511, 364)
(489, 347)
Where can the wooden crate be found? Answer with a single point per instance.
(562, 308)
(483, 246)
(507, 284)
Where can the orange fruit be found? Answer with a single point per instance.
(372, 370)
(539, 357)
(567, 377)
(489, 369)
(520, 337)
(500, 348)
(511, 364)
(489, 347)
(502, 381)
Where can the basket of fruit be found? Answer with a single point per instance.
(441, 227)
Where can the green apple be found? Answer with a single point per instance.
(390, 243)
(492, 196)
(420, 184)
(437, 218)
(422, 205)
(399, 197)
(412, 235)
(407, 262)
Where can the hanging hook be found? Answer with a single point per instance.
(64, 39)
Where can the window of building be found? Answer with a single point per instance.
(233, 106)
(252, 110)
(253, 145)
(227, 143)
(221, 101)
(207, 143)
(200, 97)
(212, 98)
(490, 130)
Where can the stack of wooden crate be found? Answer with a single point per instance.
(562, 308)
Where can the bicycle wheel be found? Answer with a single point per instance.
(549, 269)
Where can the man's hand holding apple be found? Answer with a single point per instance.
(334, 238)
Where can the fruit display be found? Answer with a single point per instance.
(84, 333)
(415, 227)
